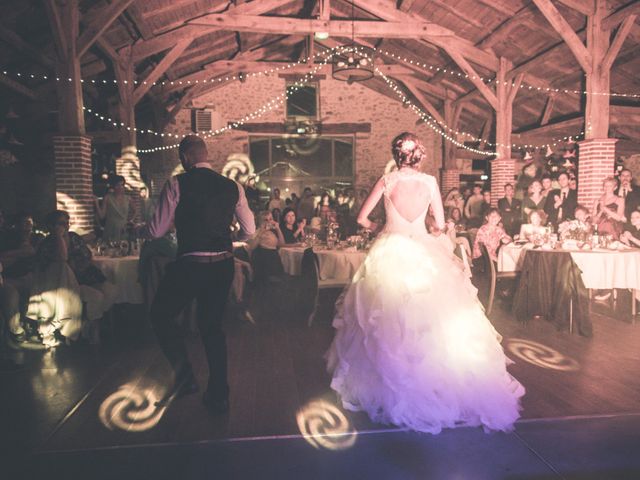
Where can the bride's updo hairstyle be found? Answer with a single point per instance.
(407, 150)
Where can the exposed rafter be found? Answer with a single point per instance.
(100, 24)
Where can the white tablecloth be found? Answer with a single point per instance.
(601, 269)
(123, 272)
(333, 264)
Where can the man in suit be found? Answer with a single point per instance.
(510, 210)
(629, 192)
(561, 202)
(202, 204)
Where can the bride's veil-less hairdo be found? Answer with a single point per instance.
(407, 150)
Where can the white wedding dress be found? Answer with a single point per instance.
(413, 346)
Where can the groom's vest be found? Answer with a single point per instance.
(205, 211)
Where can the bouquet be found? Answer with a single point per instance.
(573, 230)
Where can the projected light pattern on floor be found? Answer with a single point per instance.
(323, 425)
(131, 409)
(540, 355)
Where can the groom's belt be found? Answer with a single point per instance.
(213, 258)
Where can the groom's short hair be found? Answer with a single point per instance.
(194, 146)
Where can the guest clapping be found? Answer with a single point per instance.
(608, 210)
(491, 234)
(292, 230)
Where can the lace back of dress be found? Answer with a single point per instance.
(407, 199)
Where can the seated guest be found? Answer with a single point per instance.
(510, 209)
(537, 219)
(264, 247)
(17, 255)
(455, 217)
(608, 210)
(491, 234)
(631, 234)
(292, 231)
(65, 278)
(535, 200)
(582, 215)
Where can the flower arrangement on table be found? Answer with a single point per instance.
(573, 230)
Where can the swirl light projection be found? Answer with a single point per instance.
(540, 355)
(239, 168)
(131, 409)
(128, 165)
(323, 425)
(68, 204)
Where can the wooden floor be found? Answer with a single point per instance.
(79, 398)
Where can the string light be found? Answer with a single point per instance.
(438, 127)
(522, 86)
(450, 71)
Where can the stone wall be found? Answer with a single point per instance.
(339, 103)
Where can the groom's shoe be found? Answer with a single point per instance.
(215, 406)
(184, 385)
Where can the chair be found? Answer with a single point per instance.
(310, 283)
(491, 269)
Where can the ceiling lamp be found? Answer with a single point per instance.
(352, 64)
(321, 35)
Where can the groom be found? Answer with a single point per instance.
(202, 204)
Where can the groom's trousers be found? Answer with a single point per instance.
(209, 284)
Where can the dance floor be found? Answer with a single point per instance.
(88, 412)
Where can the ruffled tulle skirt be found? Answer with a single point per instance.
(413, 346)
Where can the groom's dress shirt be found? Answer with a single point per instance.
(164, 216)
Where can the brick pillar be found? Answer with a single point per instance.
(596, 162)
(502, 170)
(450, 179)
(74, 181)
(128, 165)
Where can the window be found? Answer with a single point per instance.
(302, 101)
(308, 160)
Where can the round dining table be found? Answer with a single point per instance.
(123, 272)
(333, 264)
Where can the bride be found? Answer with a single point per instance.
(413, 346)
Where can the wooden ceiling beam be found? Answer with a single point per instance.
(585, 7)
(566, 32)
(500, 8)
(613, 20)
(167, 40)
(167, 61)
(324, 7)
(17, 42)
(486, 92)
(424, 101)
(336, 28)
(139, 22)
(103, 20)
(57, 28)
(18, 87)
(617, 42)
(445, 39)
